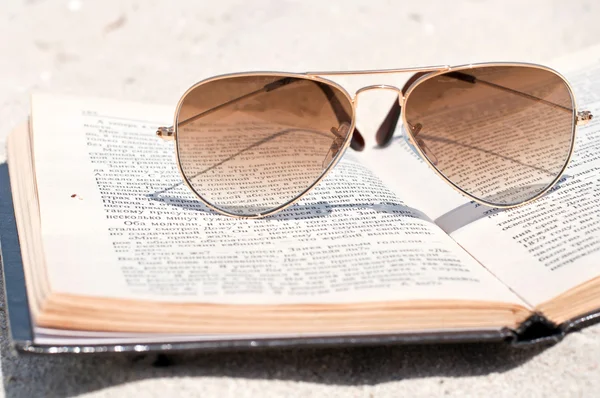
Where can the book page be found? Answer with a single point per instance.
(117, 221)
(541, 249)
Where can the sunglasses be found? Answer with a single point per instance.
(251, 144)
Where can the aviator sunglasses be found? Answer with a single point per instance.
(251, 144)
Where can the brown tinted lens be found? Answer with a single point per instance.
(250, 144)
(503, 134)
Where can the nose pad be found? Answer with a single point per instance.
(424, 148)
(432, 158)
(339, 134)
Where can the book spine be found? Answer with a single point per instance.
(535, 330)
(581, 322)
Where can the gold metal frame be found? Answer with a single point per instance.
(170, 133)
(332, 164)
(471, 66)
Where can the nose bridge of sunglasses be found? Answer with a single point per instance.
(376, 87)
(388, 126)
(386, 129)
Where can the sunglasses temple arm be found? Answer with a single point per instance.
(167, 133)
(251, 146)
(357, 143)
(473, 80)
(156, 194)
(582, 117)
(387, 128)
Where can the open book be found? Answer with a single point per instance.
(116, 252)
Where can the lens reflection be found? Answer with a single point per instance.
(503, 134)
(250, 144)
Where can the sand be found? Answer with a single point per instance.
(152, 51)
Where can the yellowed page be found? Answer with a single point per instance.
(117, 222)
(542, 249)
(25, 202)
